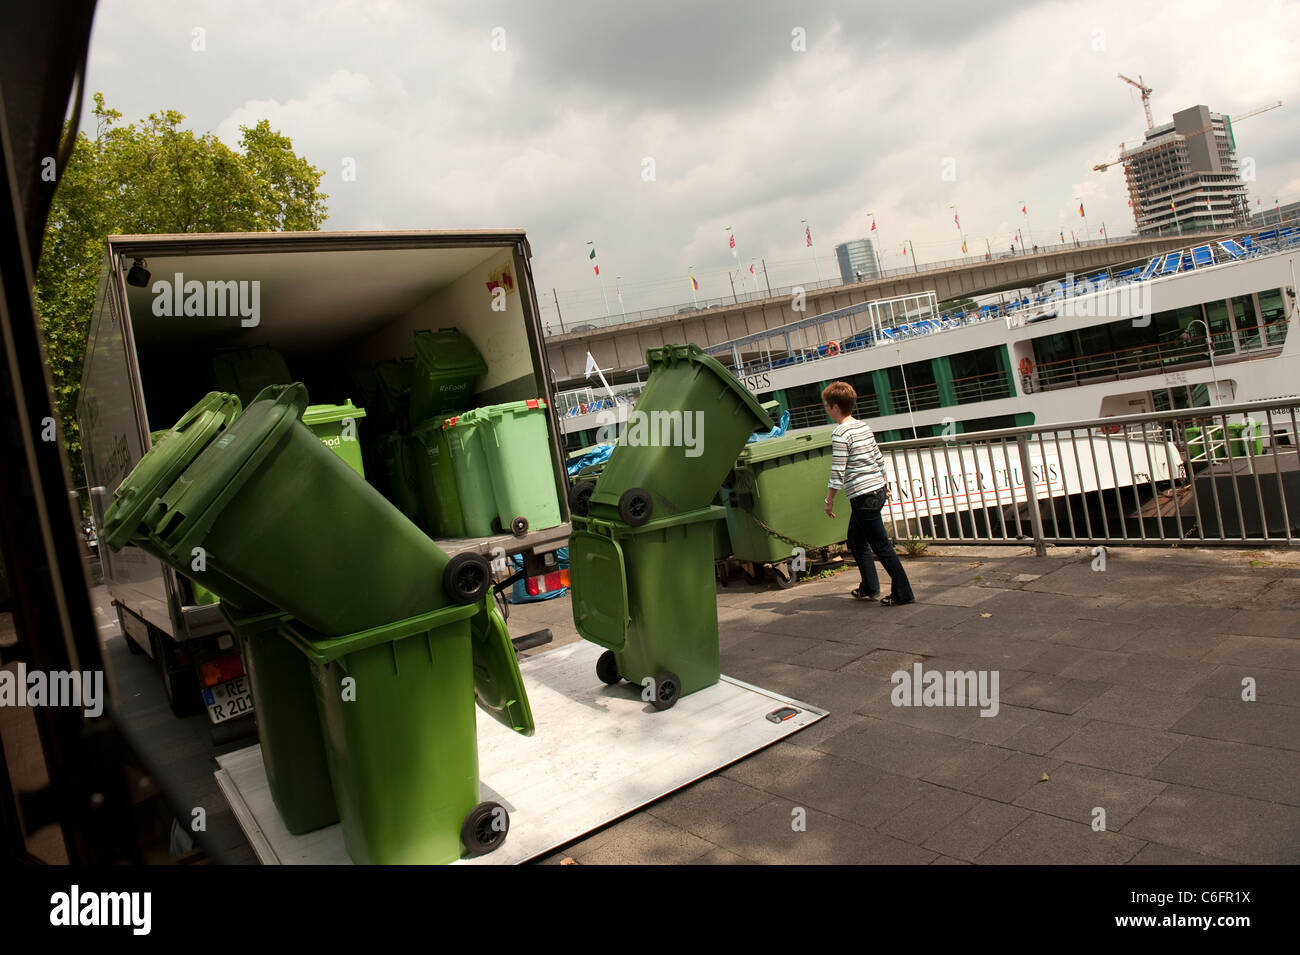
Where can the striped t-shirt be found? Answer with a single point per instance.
(857, 464)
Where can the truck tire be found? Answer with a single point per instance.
(135, 649)
(179, 679)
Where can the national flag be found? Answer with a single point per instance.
(592, 254)
(963, 246)
(1207, 202)
(1025, 210)
(1081, 210)
(732, 242)
(956, 220)
(1102, 230)
(808, 232)
(597, 268)
(1062, 235)
(873, 225)
(751, 269)
(695, 285)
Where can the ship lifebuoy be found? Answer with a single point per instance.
(832, 348)
(1026, 367)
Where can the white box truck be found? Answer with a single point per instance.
(334, 306)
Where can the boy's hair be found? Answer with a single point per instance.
(840, 394)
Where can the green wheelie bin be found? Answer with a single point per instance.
(435, 478)
(399, 462)
(284, 706)
(396, 704)
(173, 451)
(446, 366)
(469, 459)
(336, 426)
(647, 595)
(276, 511)
(780, 484)
(518, 452)
(680, 440)
(246, 371)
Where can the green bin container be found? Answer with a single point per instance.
(247, 371)
(399, 452)
(284, 706)
(280, 514)
(518, 446)
(435, 478)
(336, 426)
(1239, 443)
(781, 482)
(469, 458)
(394, 378)
(173, 451)
(654, 473)
(446, 366)
(647, 595)
(400, 736)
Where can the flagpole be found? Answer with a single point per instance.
(956, 216)
(808, 233)
(618, 290)
(874, 236)
(735, 255)
(1028, 228)
(603, 297)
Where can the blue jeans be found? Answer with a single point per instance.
(867, 529)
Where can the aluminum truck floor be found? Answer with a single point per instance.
(599, 753)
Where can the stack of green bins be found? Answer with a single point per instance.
(641, 562)
(399, 462)
(446, 367)
(781, 483)
(435, 478)
(336, 426)
(277, 512)
(284, 706)
(469, 458)
(517, 441)
(397, 706)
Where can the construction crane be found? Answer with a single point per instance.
(1146, 96)
(1126, 153)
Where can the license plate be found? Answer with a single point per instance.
(228, 700)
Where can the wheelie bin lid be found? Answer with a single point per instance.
(498, 685)
(172, 453)
(669, 354)
(465, 419)
(511, 407)
(395, 377)
(785, 445)
(196, 498)
(428, 429)
(448, 351)
(327, 414)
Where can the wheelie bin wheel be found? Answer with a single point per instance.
(635, 507)
(467, 578)
(485, 828)
(519, 526)
(667, 688)
(785, 577)
(607, 668)
(580, 496)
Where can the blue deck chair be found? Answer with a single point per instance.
(1202, 256)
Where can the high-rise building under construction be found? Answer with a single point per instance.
(1184, 177)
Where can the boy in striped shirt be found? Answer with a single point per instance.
(858, 469)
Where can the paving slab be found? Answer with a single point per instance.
(1259, 772)
(1218, 824)
(1048, 840)
(1124, 749)
(1077, 792)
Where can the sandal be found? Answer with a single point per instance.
(892, 601)
(856, 595)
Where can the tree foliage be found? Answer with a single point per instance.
(154, 177)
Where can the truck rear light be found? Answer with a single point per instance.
(221, 671)
(546, 583)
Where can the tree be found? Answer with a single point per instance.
(154, 177)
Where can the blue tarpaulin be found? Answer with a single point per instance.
(597, 455)
(780, 429)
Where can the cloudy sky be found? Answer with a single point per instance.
(648, 128)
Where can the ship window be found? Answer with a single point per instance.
(1273, 312)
